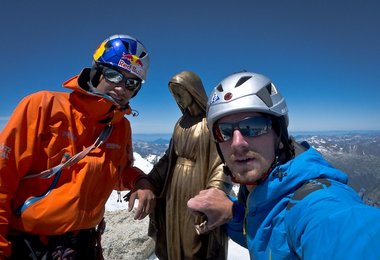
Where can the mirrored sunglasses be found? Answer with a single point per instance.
(116, 77)
(248, 127)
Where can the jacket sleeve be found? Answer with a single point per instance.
(17, 144)
(132, 176)
(235, 227)
(333, 223)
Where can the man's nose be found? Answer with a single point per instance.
(238, 138)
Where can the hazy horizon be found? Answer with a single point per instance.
(302, 132)
(167, 136)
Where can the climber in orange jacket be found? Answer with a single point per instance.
(53, 190)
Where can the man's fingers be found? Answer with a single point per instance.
(139, 214)
(146, 205)
(196, 203)
(139, 211)
(202, 192)
(131, 202)
(198, 206)
(142, 210)
(198, 213)
(202, 228)
(151, 204)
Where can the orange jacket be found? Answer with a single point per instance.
(44, 127)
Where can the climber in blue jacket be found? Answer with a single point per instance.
(292, 203)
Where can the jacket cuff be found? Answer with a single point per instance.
(238, 211)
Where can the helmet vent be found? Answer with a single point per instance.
(265, 95)
(219, 88)
(272, 89)
(142, 55)
(126, 45)
(242, 80)
(108, 45)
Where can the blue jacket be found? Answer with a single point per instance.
(329, 223)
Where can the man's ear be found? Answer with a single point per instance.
(280, 145)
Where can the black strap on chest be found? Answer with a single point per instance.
(307, 188)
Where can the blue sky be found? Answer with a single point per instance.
(323, 55)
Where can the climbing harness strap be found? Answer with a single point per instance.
(57, 170)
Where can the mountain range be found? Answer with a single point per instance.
(356, 153)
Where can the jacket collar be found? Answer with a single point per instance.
(284, 179)
(92, 105)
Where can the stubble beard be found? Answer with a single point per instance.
(251, 168)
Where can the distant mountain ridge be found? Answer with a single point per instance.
(356, 153)
(151, 137)
(151, 150)
(358, 144)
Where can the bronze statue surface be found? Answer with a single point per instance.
(191, 164)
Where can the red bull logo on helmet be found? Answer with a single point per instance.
(131, 68)
(131, 63)
(133, 59)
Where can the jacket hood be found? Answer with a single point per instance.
(193, 84)
(286, 178)
(91, 104)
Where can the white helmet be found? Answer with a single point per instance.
(245, 92)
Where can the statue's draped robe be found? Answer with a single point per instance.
(190, 165)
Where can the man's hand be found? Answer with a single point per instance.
(213, 203)
(147, 200)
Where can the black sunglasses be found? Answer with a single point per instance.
(116, 77)
(248, 127)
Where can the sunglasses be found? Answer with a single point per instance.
(116, 77)
(248, 127)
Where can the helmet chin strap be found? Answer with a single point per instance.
(93, 91)
(95, 74)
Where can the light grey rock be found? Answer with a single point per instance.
(125, 238)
